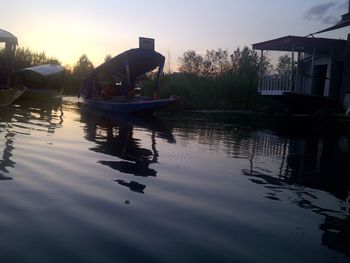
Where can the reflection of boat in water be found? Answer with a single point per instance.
(23, 119)
(7, 139)
(8, 91)
(114, 136)
(44, 81)
(5, 161)
(100, 89)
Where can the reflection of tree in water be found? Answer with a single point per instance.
(114, 136)
(285, 155)
(317, 162)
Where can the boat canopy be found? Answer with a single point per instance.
(127, 66)
(48, 76)
(45, 70)
(131, 64)
(7, 37)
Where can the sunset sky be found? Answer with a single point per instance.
(66, 29)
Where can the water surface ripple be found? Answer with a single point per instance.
(78, 185)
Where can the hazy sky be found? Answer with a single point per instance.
(66, 29)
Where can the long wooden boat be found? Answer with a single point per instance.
(7, 96)
(43, 81)
(139, 105)
(112, 86)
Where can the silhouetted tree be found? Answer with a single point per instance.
(215, 63)
(83, 67)
(108, 57)
(245, 61)
(284, 65)
(26, 58)
(191, 62)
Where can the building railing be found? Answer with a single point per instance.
(279, 84)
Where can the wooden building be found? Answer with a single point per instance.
(319, 70)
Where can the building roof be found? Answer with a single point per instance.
(302, 44)
(343, 23)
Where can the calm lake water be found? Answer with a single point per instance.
(79, 185)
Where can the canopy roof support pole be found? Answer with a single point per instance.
(127, 71)
(9, 53)
(156, 90)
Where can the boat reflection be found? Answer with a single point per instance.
(113, 135)
(23, 118)
(44, 114)
(7, 148)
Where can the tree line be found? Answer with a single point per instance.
(245, 62)
(213, 79)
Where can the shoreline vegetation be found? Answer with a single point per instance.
(216, 80)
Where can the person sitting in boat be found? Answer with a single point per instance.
(137, 91)
(107, 91)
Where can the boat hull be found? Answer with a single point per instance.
(42, 93)
(141, 106)
(10, 95)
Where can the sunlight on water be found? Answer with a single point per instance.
(82, 185)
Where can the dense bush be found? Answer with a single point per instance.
(215, 81)
(226, 91)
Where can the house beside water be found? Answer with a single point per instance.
(319, 76)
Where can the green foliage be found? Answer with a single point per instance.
(75, 77)
(284, 65)
(26, 58)
(216, 80)
(245, 62)
(191, 63)
(214, 63)
(108, 57)
(83, 67)
(30, 58)
(225, 92)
